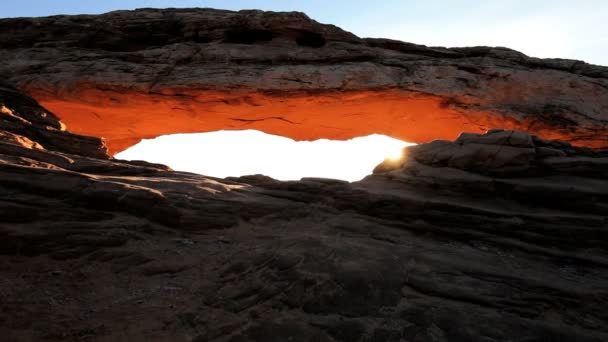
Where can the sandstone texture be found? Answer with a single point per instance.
(129, 75)
(499, 236)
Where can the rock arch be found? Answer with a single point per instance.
(129, 75)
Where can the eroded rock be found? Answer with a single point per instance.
(503, 153)
(129, 75)
(25, 123)
(451, 242)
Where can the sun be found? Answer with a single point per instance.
(395, 154)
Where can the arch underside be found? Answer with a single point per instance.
(130, 75)
(125, 117)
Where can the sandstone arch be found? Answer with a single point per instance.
(129, 75)
(502, 234)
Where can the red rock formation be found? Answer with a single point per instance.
(130, 75)
(338, 115)
(490, 237)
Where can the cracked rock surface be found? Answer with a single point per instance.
(499, 236)
(128, 75)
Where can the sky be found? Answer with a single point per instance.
(540, 28)
(284, 158)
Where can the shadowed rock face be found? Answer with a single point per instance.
(24, 122)
(129, 75)
(494, 237)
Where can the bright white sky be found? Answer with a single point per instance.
(237, 153)
(541, 28)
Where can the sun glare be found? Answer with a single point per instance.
(395, 154)
(238, 153)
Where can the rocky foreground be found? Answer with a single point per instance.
(128, 75)
(494, 237)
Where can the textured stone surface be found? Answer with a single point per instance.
(502, 239)
(129, 75)
(504, 153)
(24, 122)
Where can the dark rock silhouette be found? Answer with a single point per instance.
(500, 236)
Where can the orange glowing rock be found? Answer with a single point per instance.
(124, 118)
(130, 75)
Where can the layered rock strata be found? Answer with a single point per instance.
(494, 237)
(129, 75)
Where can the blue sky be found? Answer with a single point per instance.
(542, 28)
